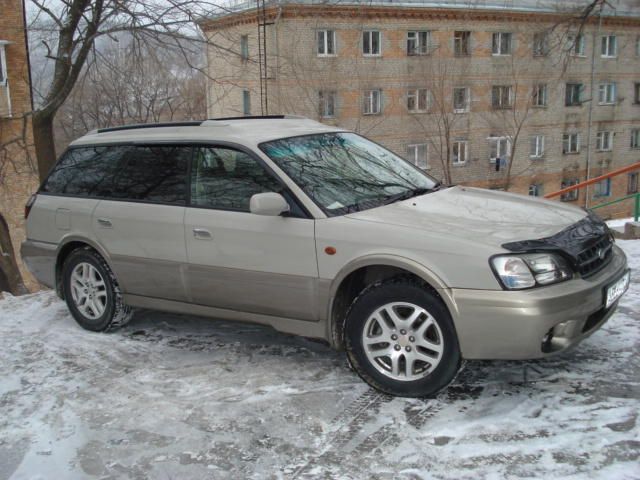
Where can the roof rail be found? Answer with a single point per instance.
(150, 125)
(258, 117)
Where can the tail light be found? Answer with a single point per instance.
(27, 207)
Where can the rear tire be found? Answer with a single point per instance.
(400, 338)
(92, 292)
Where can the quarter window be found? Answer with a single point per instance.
(327, 104)
(246, 102)
(461, 99)
(418, 100)
(326, 42)
(459, 152)
(575, 45)
(603, 188)
(609, 46)
(604, 141)
(244, 47)
(632, 183)
(635, 138)
(498, 149)
(537, 146)
(502, 96)
(418, 42)
(539, 97)
(636, 93)
(371, 42)
(371, 102)
(535, 189)
(501, 44)
(3, 66)
(607, 93)
(226, 179)
(573, 194)
(573, 94)
(570, 143)
(462, 43)
(417, 154)
(540, 44)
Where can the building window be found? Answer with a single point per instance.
(635, 138)
(418, 42)
(573, 94)
(632, 182)
(246, 102)
(498, 149)
(461, 99)
(638, 46)
(3, 66)
(576, 45)
(462, 43)
(418, 100)
(540, 44)
(371, 42)
(501, 44)
(573, 194)
(636, 93)
(371, 102)
(502, 96)
(535, 190)
(609, 46)
(327, 104)
(417, 154)
(326, 43)
(607, 93)
(244, 47)
(604, 141)
(539, 97)
(459, 152)
(602, 188)
(537, 146)
(570, 143)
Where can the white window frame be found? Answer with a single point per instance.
(460, 40)
(467, 100)
(576, 45)
(327, 103)
(416, 94)
(500, 43)
(372, 102)
(609, 46)
(573, 86)
(414, 157)
(536, 145)
(539, 95)
(422, 46)
(325, 43)
(569, 146)
(635, 138)
(604, 141)
(3, 64)
(607, 93)
(500, 105)
(501, 143)
(457, 147)
(371, 34)
(536, 188)
(573, 194)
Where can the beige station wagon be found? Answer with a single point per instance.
(318, 232)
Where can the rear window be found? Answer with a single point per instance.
(145, 173)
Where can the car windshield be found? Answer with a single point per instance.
(344, 172)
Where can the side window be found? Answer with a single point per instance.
(84, 172)
(152, 173)
(226, 179)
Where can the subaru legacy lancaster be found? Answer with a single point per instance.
(319, 232)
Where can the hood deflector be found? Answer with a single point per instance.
(572, 241)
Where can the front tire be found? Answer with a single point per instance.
(400, 339)
(92, 293)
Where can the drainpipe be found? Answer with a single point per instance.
(594, 45)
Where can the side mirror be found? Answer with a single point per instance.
(270, 204)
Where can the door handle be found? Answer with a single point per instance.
(105, 222)
(202, 234)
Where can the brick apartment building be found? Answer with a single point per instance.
(18, 179)
(453, 89)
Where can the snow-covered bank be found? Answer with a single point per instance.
(171, 396)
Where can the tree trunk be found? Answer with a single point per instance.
(44, 142)
(10, 277)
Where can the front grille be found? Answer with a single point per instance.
(594, 258)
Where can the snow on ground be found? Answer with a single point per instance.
(172, 396)
(619, 223)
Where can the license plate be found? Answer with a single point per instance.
(615, 291)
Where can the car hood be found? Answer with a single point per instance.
(484, 216)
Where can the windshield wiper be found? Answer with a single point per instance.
(413, 192)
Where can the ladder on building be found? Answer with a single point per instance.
(261, 12)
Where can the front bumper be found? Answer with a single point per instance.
(515, 325)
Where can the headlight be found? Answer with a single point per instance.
(516, 272)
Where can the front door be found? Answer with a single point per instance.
(238, 260)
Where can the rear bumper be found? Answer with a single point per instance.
(514, 325)
(40, 259)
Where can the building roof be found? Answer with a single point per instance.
(244, 131)
(624, 8)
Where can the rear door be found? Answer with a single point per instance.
(140, 219)
(241, 261)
